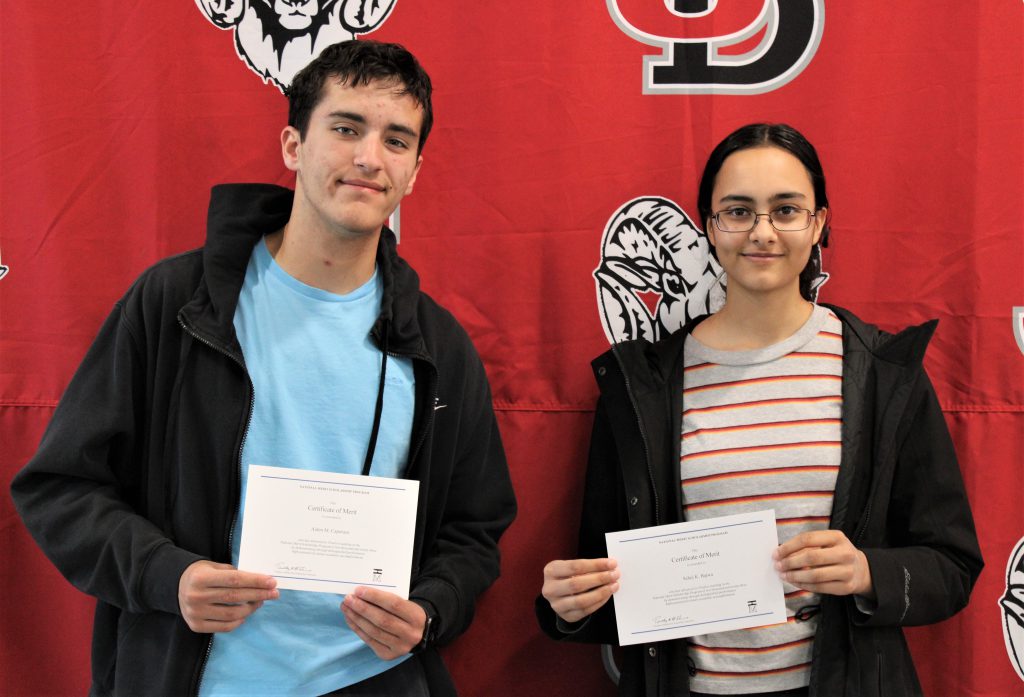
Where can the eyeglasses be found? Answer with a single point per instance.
(783, 219)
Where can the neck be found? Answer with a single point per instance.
(749, 321)
(335, 263)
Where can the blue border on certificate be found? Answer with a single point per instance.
(322, 481)
(687, 533)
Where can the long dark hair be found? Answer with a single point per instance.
(787, 138)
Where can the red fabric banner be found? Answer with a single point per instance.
(551, 119)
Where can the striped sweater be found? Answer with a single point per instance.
(761, 429)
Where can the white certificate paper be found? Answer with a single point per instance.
(699, 577)
(328, 532)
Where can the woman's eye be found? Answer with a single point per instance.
(739, 213)
(787, 211)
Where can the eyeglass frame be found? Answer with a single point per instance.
(757, 216)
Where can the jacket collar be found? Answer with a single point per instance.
(239, 216)
(657, 362)
(905, 348)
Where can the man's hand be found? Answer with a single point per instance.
(824, 562)
(218, 597)
(579, 587)
(388, 624)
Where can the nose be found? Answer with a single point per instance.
(368, 154)
(763, 233)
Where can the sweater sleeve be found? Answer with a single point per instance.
(74, 494)
(926, 572)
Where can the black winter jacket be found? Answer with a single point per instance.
(899, 497)
(138, 473)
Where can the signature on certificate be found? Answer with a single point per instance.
(668, 619)
(291, 567)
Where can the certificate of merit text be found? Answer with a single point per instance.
(699, 577)
(328, 532)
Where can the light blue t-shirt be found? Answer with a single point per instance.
(315, 374)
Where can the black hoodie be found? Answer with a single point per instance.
(138, 473)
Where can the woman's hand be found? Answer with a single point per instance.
(824, 562)
(577, 588)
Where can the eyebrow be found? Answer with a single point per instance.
(359, 118)
(782, 196)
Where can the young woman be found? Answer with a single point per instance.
(776, 402)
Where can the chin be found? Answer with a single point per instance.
(357, 230)
(363, 227)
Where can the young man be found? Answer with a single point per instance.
(296, 337)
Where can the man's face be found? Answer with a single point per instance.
(358, 159)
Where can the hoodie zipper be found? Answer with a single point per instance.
(238, 471)
(643, 435)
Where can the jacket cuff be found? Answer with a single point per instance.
(158, 587)
(553, 625)
(443, 597)
(891, 582)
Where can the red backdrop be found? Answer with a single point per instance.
(117, 117)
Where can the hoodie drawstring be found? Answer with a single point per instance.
(380, 403)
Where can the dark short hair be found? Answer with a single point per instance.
(359, 63)
(777, 135)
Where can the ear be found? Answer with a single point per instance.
(709, 229)
(291, 147)
(820, 216)
(412, 179)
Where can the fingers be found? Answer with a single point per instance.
(817, 538)
(391, 603)
(577, 607)
(382, 650)
(577, 567)
(824, 561)
(211, 574)
(579, 587)
(217, 597)
(388, 624)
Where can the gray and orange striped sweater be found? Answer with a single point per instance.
(898, 496)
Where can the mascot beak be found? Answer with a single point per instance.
(1013, 603)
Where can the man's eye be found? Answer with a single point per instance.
(396, 143)
(345, 130)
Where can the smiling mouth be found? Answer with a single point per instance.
(360, 184)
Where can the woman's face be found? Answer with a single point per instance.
(763, 260)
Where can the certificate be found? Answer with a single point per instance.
(328, 532)
(696, 578)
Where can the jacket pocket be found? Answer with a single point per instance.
(106, 634)
(879, 672)
(892, 670)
